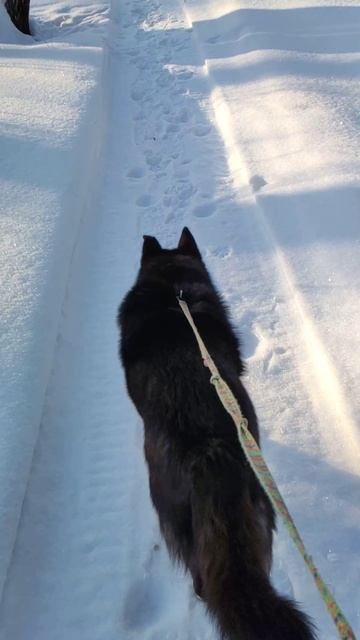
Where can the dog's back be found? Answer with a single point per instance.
(213, 514)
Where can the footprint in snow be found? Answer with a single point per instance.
(145, 200)
(212, 40)
(142, 606)
(164, 81)
(201, 130)
(136, 172)
(273, 361)
(204, 210)
(137, 94)
(153, 160)
(171, 128)
(140, 115)
(148, 597)
(249, 342)
(255, 343)
(167, 201)
(221, 251)
(184, 74)
(257, 182)
(183, 115)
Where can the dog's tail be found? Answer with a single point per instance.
(232, 559)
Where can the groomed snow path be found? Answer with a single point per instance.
(241, 122)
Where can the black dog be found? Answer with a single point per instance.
(213, 514)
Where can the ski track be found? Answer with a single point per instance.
(89, 563)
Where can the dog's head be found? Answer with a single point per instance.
(182, 264)
(152, 250)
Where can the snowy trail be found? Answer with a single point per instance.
(87, 555)
(185, 145)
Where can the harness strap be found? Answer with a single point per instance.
(262, 472)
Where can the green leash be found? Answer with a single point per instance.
(265, 478)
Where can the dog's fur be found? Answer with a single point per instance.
(213, 514)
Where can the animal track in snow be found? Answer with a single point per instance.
(212, 40)
(140, 115)
(256, 344)
(185, 74)
(181, 173)
(153, 160)
(183, 115)
(143, 604)
(272, 362)
(145, 200)
(204, 210)
(136, 172)
(249, 343)
(167, 201)
(201, 130)
(133, 53)
(181, 193)
(171, 128)
(221, 251)
(150, 597)
(257, 182)
(137, 94)
(165, 81)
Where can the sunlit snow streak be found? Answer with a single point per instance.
(321, 378)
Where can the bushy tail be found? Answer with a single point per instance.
(231, 541)
(246, 607)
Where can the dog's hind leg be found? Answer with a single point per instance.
(194, 569)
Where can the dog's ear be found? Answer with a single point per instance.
(151, 248)
(187, 244)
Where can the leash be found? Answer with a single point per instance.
(262, 472)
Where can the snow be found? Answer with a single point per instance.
(239, 119)
(51, 115)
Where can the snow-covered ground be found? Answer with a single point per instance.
(240, 119)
